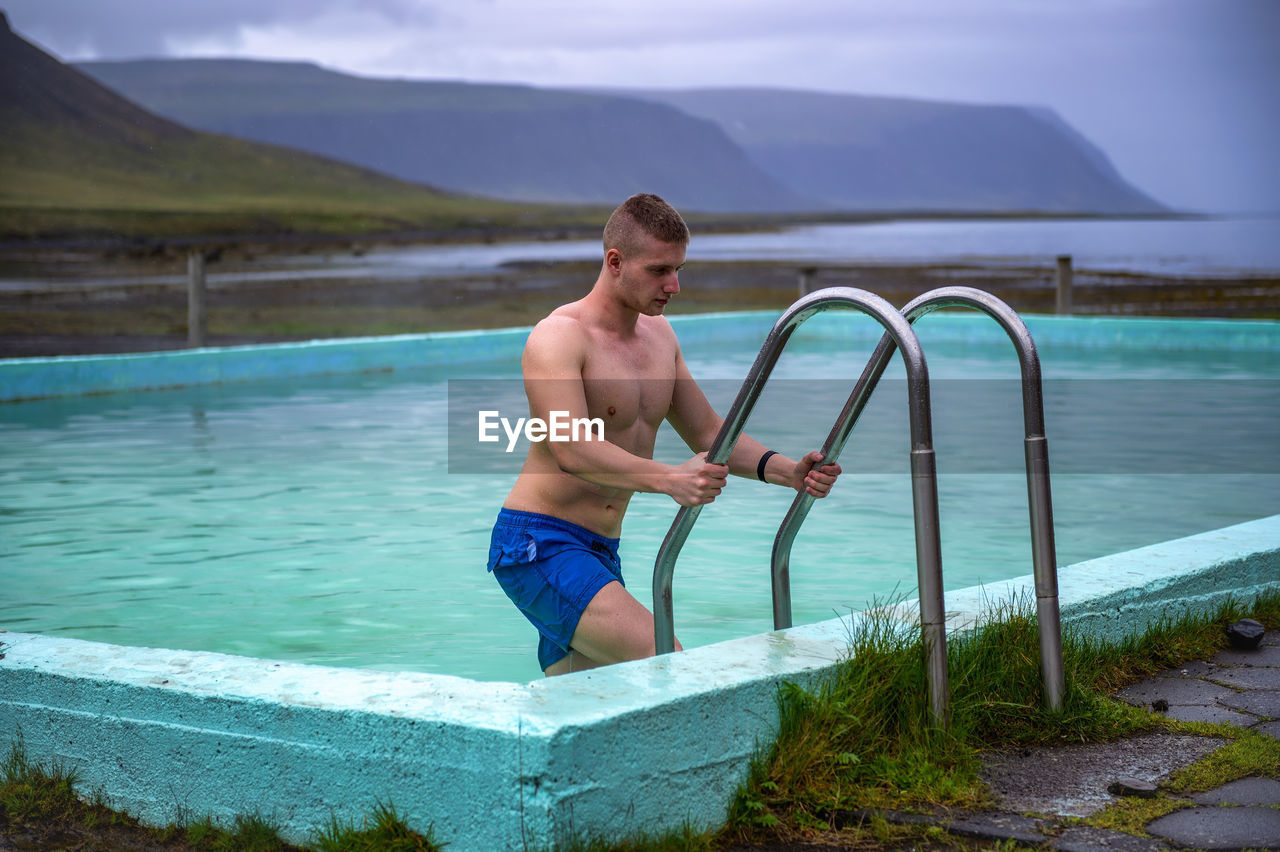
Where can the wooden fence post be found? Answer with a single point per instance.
(806, 278)
(197, 323)
(1065, 282)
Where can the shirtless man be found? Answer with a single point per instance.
(612, 355)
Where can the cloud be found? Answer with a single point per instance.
(91, 29)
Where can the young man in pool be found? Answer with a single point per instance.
(612, 355)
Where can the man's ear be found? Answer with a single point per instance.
(613, 260)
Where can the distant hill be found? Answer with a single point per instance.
(878, 153)
(501, 141)
(747, 150)
(77, 158)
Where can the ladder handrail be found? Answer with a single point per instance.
(1044, 559)
(923, 474)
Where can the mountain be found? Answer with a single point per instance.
(77, 157)
(748, 150)
(501, 141)
(877, 153)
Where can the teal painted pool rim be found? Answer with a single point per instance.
(40, 378)
(644, 745)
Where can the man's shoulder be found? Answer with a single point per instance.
(658, 328)
(559, 325)
(556, 341)
(566, 316)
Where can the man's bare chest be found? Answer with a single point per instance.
(626, 385)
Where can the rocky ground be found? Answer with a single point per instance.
(91, 304)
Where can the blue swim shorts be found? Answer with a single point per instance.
(551, 569)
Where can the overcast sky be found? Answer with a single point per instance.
(1180, 93)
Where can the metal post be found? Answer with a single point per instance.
(1045, 564)
(196, 321)
(1065, 283)
(933, 611)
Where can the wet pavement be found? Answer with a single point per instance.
(1040, 790)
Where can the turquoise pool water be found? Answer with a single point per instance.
(319, 520)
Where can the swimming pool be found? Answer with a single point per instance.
(328, 520)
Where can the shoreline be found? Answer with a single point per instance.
(115, 318)
(573, 225)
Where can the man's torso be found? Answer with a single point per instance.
(628, 383)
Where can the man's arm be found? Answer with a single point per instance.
(552, 365)
(698, 424)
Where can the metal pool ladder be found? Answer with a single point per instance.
(924, 485)
(923, 469)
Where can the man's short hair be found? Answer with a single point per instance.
(644, 213)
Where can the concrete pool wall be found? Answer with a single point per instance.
(649, 745)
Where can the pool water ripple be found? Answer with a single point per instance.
(317, 519)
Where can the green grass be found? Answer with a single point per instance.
(383, 831)
(29, 793)
(866, 739)
(57, 184)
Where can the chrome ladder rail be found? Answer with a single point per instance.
(1043, 556)
(924, 486)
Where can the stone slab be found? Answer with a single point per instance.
(1197, 669)
(1271, 729)
(1220, 828)
(1073, 780)
(1263, 655)
(1248, 677)
(999, 826)
(1087, 838)
(1243, 791)
(1173, 690)
(1214, 714)
(1259, 702)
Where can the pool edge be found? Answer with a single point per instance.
(645, 745)
(23, 379)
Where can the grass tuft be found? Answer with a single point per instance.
(30, 794)
(250, 834)
(384, 831)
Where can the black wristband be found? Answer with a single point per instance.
(764, 459)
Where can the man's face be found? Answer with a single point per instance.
(648, 276)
